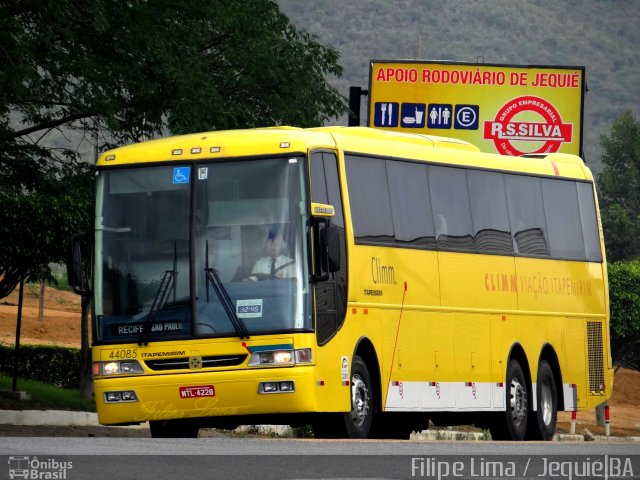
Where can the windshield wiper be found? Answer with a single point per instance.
(213, 278)
(167, 283)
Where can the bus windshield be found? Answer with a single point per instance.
(204, 250)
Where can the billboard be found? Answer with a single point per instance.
(508, 109)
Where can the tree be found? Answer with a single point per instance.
(624, 295)
(619, 187)
(124, 71)
(38, 214)
(120, 72)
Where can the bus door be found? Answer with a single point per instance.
(331, 295)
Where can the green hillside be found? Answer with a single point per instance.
(604, 36)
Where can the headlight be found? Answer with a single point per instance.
(122, 367)
(281, 357)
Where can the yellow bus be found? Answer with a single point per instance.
(361, 281)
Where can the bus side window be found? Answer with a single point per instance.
(450, 202)
(335, 199)
(318, 181)
(331, 295)
(526, 215)
(441, 229)
(589, 222)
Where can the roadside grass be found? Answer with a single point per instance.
(43, 397)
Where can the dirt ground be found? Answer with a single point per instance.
(61, 319)
(61, 326)
(624, 409)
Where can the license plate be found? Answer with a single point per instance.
(196, 392)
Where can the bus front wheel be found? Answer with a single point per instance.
(358, 421)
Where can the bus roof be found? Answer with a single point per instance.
(362, 140)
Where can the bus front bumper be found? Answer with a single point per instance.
(205, 394)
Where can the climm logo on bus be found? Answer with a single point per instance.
(544, 137)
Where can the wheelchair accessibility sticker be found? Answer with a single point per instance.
(181, 175)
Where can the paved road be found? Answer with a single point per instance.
(212, 458)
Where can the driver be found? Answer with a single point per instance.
(275, 265)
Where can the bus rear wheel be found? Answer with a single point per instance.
(512, 424)
(173, 429)
(542, 422)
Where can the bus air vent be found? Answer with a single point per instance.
(596, 357)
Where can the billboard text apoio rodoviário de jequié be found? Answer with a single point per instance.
(509, 109)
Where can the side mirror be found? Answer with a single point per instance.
(77, 254)
(327, 241)
(327, 250)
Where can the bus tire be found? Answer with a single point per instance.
(542, 422)
(173, 429)
(359, 420)
(512, 424)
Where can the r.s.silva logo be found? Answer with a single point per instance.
(545, 136)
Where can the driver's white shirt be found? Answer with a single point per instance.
(263, 266)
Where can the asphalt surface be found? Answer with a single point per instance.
(74, 446)
(212, 458)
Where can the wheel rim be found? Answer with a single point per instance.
(359, 400)
(546, 402)
(518, 402)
